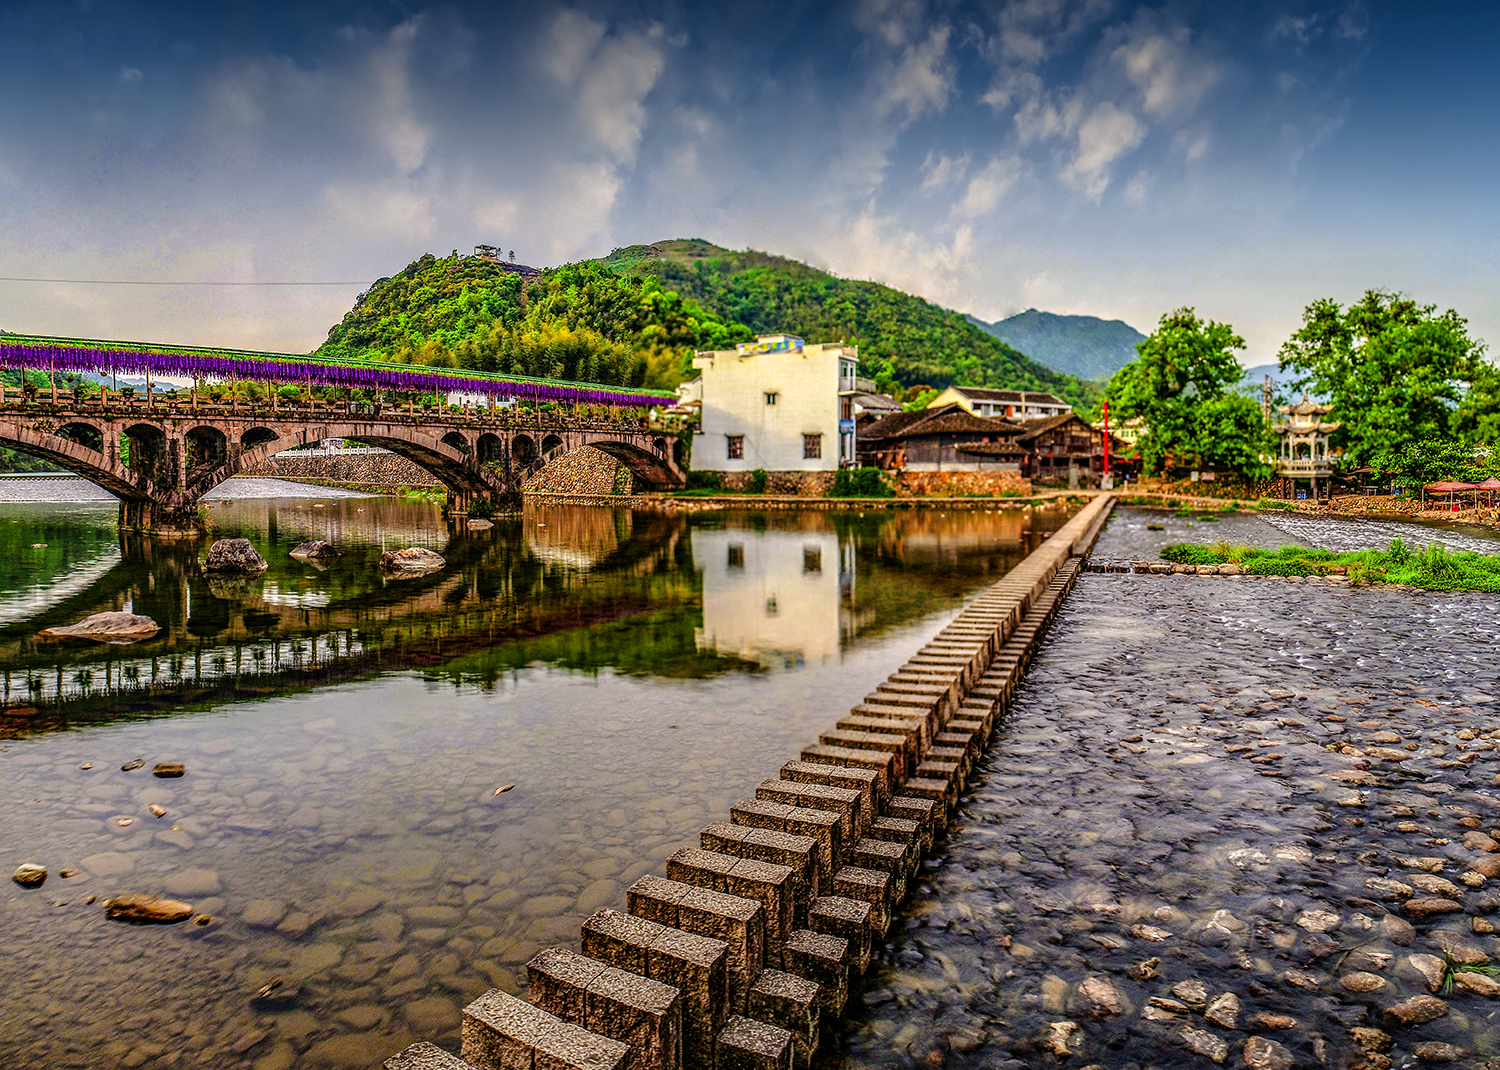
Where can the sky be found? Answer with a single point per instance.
(1077, 156)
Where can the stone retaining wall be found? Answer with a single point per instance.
(961, 484)
(755, 935)
(370, 470)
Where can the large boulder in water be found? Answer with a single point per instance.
(413, 561)
(115, 628)
(234, 555)
(317, 550)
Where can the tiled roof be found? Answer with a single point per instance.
(1014, 397)
(1033, 428)
(950, 419)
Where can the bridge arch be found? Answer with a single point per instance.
(257, 436)
(550, 443)
(654, 466)
(205, 445)
(523, 449)
(83, 433)
(98, 467)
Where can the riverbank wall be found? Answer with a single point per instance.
(754, 936)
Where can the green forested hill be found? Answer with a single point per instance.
(902, 338)
(579, 321)
(635, 316)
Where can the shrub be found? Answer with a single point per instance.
(1397, 552)
(758, 481)
(859, 483)
(697, 480)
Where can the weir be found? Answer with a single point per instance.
(754, 936)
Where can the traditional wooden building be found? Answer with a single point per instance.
(1058, 449)
(940, 440)
(1303, 453)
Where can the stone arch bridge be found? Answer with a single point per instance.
(160, 460)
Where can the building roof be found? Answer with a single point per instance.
(950, 419)
(1009, 448)
(870, 402)
(1033, 428)
(1306, 408)
(1013, 397)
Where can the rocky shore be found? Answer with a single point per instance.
(1237, 823)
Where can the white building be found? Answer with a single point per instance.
(777, 403)
(1010, 404)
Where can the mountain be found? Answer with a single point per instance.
(634, 318)
(902, 339)
(1085, 346)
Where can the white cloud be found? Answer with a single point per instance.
(131, 76)
(1162, 65)
(922, 80)
(943, 171)
(611, 96)
(1137, 188)
(894, 21)
(1108, 133)
(573, 38)
(394, 115)
(986, 188)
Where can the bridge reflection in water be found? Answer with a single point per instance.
(585, 588)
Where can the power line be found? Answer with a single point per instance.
(150, 282)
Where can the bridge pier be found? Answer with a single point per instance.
(160, 518)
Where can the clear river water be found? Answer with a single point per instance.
(344, 735)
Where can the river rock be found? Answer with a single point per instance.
(1458, 949)
(1098, 998)
(1263, 1053)
(1416, 1010)
(1318, 921)
(1224, 1010)
(1477, 983)
(1387, 889)
(1437, 886)
(168, 770)
(1192, 992)
(1436, 1051)
(234, 555)
(1370, 1041)
(1428, 967)
(479, 524)
(30, 875)
(317, 550)
(1398, 931)
(1362, 983)
(1206, 1044)
(117, 629)
(1479, 841)
(1059, 1034)
(412, 561)
(1431, 906)
(263, 913)
(146, 909)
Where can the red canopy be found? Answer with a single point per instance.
(1489, 484)
(1448, 486)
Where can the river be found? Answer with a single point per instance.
(631, 674)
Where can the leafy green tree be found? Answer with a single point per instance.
(1395, 372)
(1420, 463)
(1182, 387)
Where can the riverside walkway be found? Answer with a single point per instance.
(752, 938)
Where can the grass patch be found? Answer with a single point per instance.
(1433, 568)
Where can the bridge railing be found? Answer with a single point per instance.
(174, 405)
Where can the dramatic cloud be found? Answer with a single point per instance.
(1081, 155)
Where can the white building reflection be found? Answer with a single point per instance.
(777, 598)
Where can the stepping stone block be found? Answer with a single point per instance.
(789, 1002)
(644, 1014)
(823, 959)
(745, 1044)
(797, 853)
(845, 918)
(425, 1056)
(867, 782)
(842, 801)
(740, 923)
(772, 886)
(501, 1032)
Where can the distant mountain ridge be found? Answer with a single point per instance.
(1086, 346)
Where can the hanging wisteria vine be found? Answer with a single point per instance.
(87, 355)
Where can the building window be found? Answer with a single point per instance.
(812, 446)
(736, 446)
(812, 559)
(770, 397)
(736, 555)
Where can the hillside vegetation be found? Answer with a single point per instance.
(903, 339)
(1085, 346)
(580, 321)
(634, 318)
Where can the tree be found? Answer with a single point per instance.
(1182, 387)
(1420, 463)
(1395, 372)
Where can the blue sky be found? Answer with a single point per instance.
(1073, 155)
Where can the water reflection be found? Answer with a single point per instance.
(703, 594)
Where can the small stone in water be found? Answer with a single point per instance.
(1361, 983)
(1150, 932)
(1098, 997)
(1318, 921)
(1477, 983)
(1430, 968)
(1058, 1036)
(146, 909)
(133, 765)
(203, 919)
(66, 873)
(157, 810)
(1144, 970)
(1417, 1010)
(124, 822)
(1428, 906)
(1262, 1053)
(30, 875)
(503, 790)
(168, 769)
(1206, 1044)
(1301, 979)
(1265, 1020)
(87, 765)
(1224, 1010)
(1435, 1051)
(1193, 992)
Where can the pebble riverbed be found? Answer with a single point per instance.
(1234, 820)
